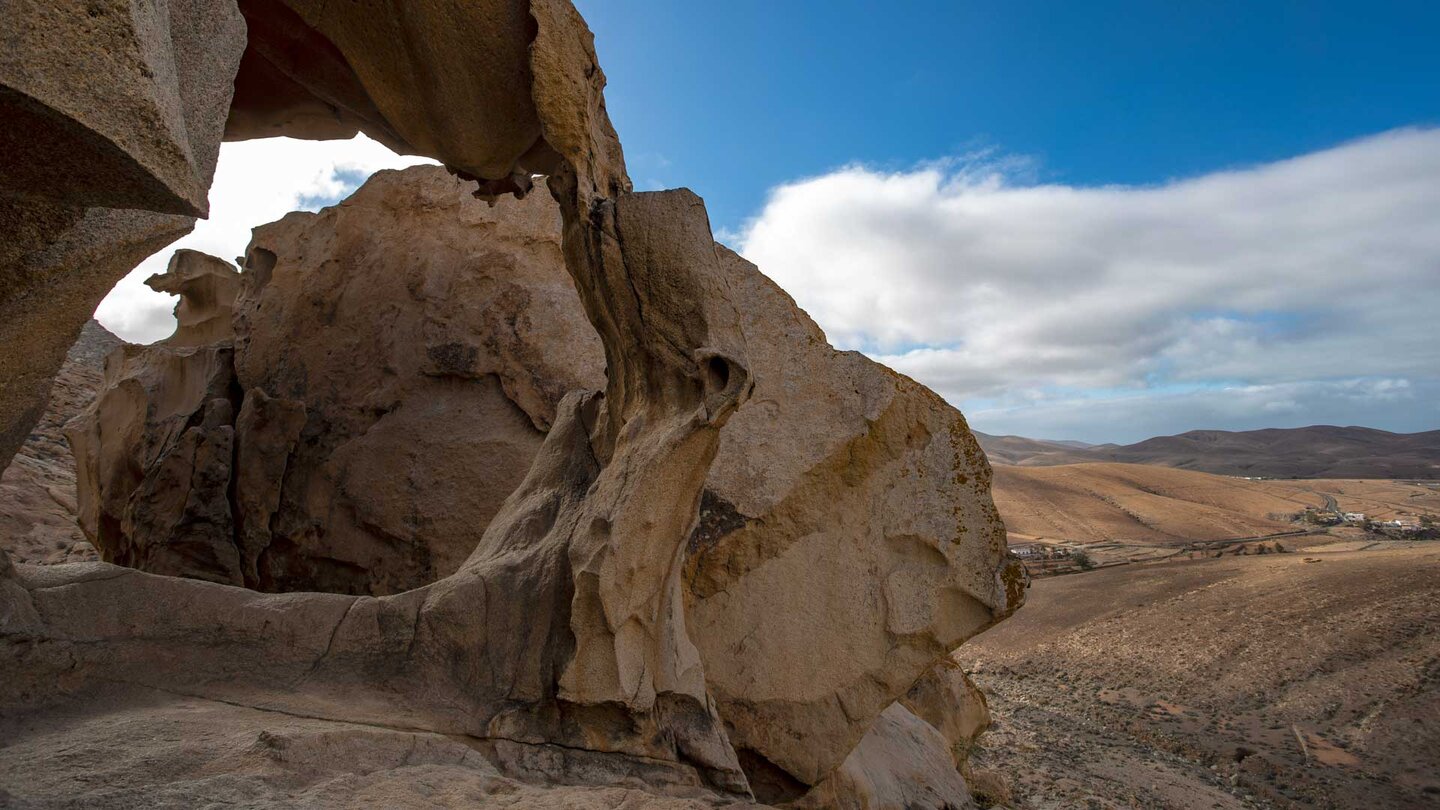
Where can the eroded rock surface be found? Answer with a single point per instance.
(38, 509)
(207, 287)
(112, 105)
(847, 507)
(551, 640)
(365, 460)
(113, 118)
(406, 439)
(56, 263)
(593, 631)
(173, 408)
(901, 762)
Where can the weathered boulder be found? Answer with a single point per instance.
(412, 434)
(902, 762)
(110, 104)
(948, 700)
(366, 460)
(848, 510)
(56, 263)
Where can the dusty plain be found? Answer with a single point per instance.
(1283, 680)
(1120, 513)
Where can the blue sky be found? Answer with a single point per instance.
(1185, 206)
(1095, 221)
(736, 97)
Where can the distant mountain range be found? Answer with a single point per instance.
(1319, 451)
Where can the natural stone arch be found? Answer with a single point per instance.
(596, 666)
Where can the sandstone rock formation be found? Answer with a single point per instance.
(841, 474)
(115, 116)
(401, 460)
(57, 261)
(154, 452)
(367, 460)
(115, 106)
(901, 762)
(590, 633)
(584, 653)
(848, 509)
(207, 287)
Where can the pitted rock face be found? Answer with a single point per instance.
(168, 514)
(112, 105)
(408, 438)
(370, 461)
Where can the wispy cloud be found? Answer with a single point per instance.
(1186, 297)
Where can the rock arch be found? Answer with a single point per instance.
(564, 635)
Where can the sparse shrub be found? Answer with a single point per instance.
(1082, 559)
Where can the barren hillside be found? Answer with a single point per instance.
(1030, 452)
(1146, 504)
(1098, 502)
(1292, 680)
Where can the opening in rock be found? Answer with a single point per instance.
(389, 369)
(717, 374)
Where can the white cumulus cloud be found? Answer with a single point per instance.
(255, 182)
(1308, 278)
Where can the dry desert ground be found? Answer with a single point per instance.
(1284, 680)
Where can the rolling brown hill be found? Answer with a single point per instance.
(1152, 505)
(1021, 450)
(1319, 451)
(1137, 503)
